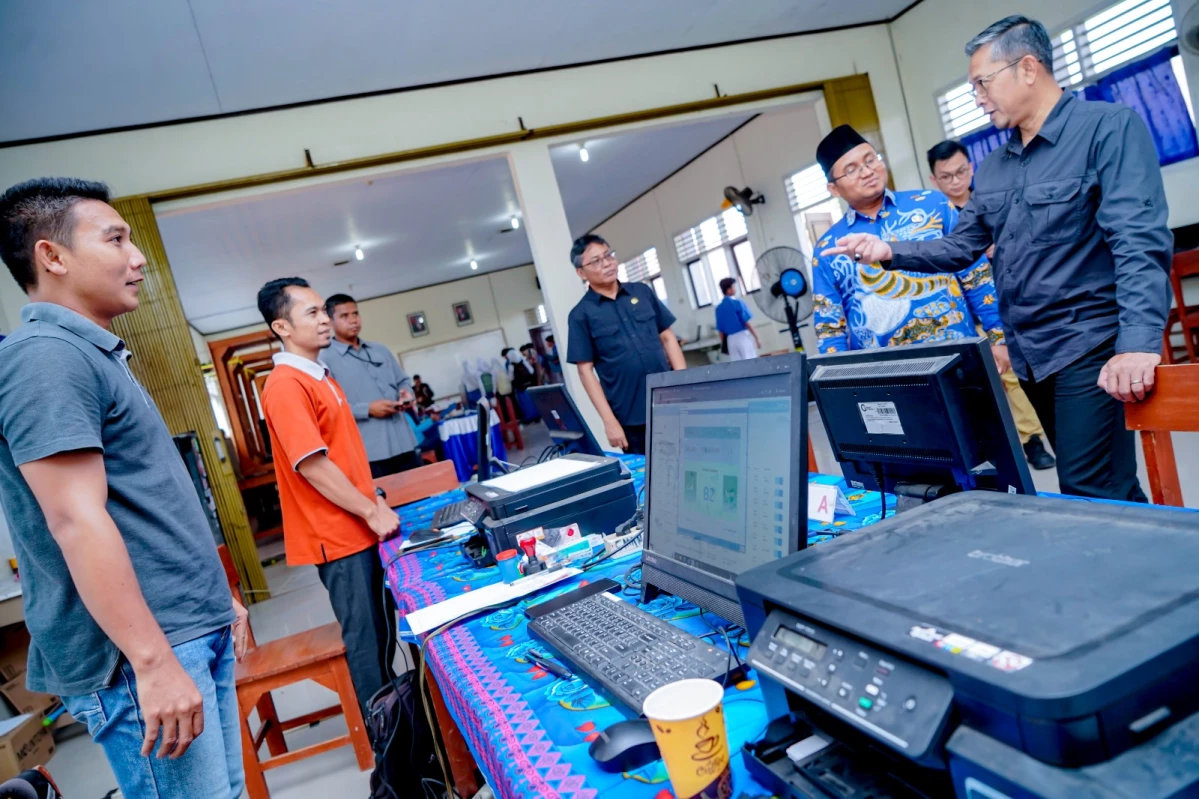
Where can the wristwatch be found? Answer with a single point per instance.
(380, 493)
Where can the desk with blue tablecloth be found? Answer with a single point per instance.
(460, 440)
(528, 731)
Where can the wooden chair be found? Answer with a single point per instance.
(509, 422)
(1183, 317)
(318, 655)
(1171, 406)
(404, 487)
(812, 458)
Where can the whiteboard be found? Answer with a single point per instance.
(441, 365)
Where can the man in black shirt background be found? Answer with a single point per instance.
(1075, 206)
(619, 334)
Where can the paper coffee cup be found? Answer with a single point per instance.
(687, 718)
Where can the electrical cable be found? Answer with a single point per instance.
(423, 678)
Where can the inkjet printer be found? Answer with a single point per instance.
(595, 492)
(983, 645)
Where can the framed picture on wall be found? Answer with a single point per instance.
(462, 314)
(417, 324)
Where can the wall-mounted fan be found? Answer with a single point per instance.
(743, 200)
(1188, 31)
(785, 296)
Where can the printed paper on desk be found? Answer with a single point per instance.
(826, 501)
(448, 534)
(430, 618)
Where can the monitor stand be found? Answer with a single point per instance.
(913, 495)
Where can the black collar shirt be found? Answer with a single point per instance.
(1082, 248)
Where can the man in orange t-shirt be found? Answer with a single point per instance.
(332, 515)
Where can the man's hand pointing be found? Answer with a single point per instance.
(862, 247)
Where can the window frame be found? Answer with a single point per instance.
(1072, 57)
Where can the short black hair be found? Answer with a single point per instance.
(727, 283)
(1014, 37)
(549, 339)
(416, 377)
(581, 244)
(524, 347)
(40, 209)
(336, 300)
(273, 299)
(504, 352)
(944, 151)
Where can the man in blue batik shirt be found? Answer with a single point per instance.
(859, 306)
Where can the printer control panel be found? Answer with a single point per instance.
(894, 701)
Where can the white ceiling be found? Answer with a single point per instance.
(72, 66)
(622, 167)
(416, 228)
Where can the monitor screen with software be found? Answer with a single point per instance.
(726, 476)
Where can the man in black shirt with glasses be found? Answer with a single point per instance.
(378, 388)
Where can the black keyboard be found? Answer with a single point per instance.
(627, 651)
(464, 510)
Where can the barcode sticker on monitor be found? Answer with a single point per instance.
(880, 418)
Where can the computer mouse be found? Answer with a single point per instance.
(625, 746)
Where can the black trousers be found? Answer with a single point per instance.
(1096, 455)
(635, 433)
(365, 610)
(396, 463)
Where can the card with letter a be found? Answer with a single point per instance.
(826, 501)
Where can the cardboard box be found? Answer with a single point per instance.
(25, 701)
(14, 651)
(24, 743)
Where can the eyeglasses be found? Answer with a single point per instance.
(867, 166)
(978, 86)
(957, 175)
(600, 259)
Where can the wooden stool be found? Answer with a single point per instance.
(318, 655)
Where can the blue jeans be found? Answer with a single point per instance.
(211, 768)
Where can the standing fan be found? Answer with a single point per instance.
(785, 296)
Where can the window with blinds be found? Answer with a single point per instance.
(641, 268)
(806, 188)
(644, 269)
(710, 234)
(1081, 53)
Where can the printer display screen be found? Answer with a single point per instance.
(800, 643)
(720, 473)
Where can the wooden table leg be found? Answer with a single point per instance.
(459, 759)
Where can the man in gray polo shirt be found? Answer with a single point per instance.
(378, 388)
(126, 602)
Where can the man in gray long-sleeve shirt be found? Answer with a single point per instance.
(1075, 206)
(378, 388)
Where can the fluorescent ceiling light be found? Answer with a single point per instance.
(358, 253)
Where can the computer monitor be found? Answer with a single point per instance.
(920, 421)
(483, 453)
(561, 416)
(726, 476)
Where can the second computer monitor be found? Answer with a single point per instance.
(726, 476)
(563, 420)
(920, 421)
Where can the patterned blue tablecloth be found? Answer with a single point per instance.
(528, 730)
(460, 440)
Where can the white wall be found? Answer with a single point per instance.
(497, 301)
(761, 155)
(929, 42)
(140, 162)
